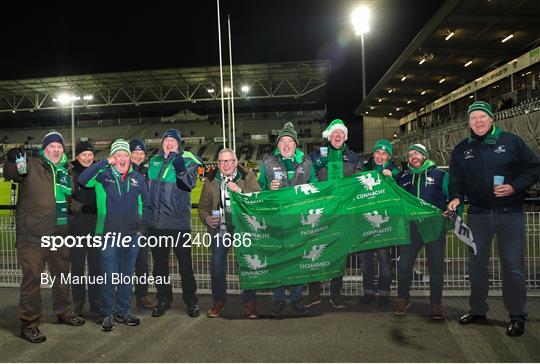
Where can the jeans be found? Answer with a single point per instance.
(161, 266)
(295, 294)
(78, 256)
(435, 259)
(218, 273)
(368, 271)
(335, 287)
(509, 227)
(120, 260)
(141, 269)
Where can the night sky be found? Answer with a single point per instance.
(89, 37)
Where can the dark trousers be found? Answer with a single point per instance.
(335, 287)
(368, 271)
(435, 259)
(78, 257)
(161, 265)
(141, 269)
(509, 227)
(32, 258)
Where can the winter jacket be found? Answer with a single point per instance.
(351, 163)
(303, 170)
(390, 165)
(169, 204)
(474, 163)
(119, 202)
(82, 208)
(429, 183)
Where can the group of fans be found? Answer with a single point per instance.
(119, 194)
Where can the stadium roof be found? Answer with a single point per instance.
(279, 83)
(438, 63)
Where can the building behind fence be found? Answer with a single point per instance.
(456, 279)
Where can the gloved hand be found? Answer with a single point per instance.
(12, 154)
(320, 163)
(179, 163)
(88, 209)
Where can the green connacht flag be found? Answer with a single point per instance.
(304, 233)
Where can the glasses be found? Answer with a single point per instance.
(226, 161)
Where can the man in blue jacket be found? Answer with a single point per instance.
(173, 175)
(424, 180)
(121, 194)
(494, 168)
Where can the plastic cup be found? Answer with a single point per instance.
(498, 180)
(216, 213)
(21, 163)
(278, 175)
(324, 152)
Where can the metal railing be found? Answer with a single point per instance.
(455, 282)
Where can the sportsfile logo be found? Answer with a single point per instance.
(256, 265)
(306, 189)
(314, 254)
(368, 181)
(377, 220)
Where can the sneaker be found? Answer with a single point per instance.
(277, 309)
(193, 310)
(298, 306)
(146, 302)
(312, 300)
(337, 301)
(32, 334)
(251, 310)
(71, 319)
(107, 324)
(215, 310)
(437, 311)
(402, 307)
(384, 302)
(128, 319)
(367, 299)
(160, 308)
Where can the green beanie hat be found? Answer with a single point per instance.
(337, 124)
(481, 106)
(384, 145)
(288, 130)
(120, 144)
(420, 148)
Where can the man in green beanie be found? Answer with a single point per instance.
(424, 180)
(332, 161)
(494, 168)
(287, 166)
(382, 162)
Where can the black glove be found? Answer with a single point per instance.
(88, 209)
(179, 163)
(13, 153)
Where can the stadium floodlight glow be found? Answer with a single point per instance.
(372, 107)
(360, 19)
(403, 78)
(397, 108)
(88, 97)
(245, 88)
(227, 89)
(367, 112)
(390, 91)
(64, 99)
(380, 100)
(468, 64)
(408, 102)
(442, 80)
(470, 97)
(389, 114)
(211, 90)
(507, 38)
(450, 35)
(422, 61)
(423, 92)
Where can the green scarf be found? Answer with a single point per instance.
(62, 186)
(290, 163)
(335, 162)
(490, 139)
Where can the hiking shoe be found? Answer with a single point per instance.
(71, 319)
(298, 306)
(193, 310)
(215, 310)
(312, 300)
(146, 302)
(107, 324)
(337, 301)
(437, 311)
(128, 319)
(383, 302)
(32, 334)
(367, 299)
(251, 310)
(277, 309)
(160, 308)
(402, 306)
